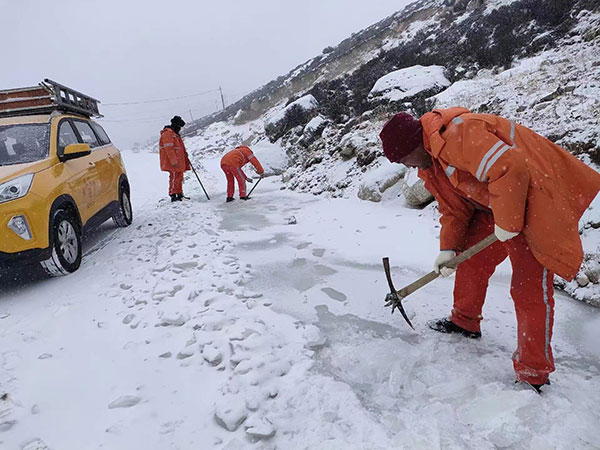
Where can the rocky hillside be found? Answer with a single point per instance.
(534, 61)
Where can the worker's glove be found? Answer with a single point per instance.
(444, 257)
(261, 175)
(249, 180)
(504, 235)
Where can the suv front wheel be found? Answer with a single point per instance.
(66, 245)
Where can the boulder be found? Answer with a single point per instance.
(378, 180)
(414, 190)
(403, 84)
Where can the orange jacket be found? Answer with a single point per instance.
(239, 157)
(173, 156)
(528, 183)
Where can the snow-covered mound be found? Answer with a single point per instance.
(405, 83)
(271, 156)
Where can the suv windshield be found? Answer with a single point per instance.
(24, 143)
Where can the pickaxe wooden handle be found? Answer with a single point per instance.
(395, 298)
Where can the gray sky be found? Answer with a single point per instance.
(122, 51)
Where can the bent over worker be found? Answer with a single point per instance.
(173, 157)
(232, 163)
(491, 175)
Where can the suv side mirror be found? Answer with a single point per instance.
(73, 151)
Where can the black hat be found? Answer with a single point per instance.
(177, 121)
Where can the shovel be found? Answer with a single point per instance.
(394, 298)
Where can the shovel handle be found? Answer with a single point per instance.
(453, 263)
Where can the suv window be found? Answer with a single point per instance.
(24, 143)
(104, 139)
(86, 133)
(66, 136)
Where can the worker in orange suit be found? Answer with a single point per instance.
(173, 157)
(491, 175)
(232, 163)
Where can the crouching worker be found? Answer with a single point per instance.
(491, 175)
(232, 164)
(174, 157)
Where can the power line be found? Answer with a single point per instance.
(161, 100)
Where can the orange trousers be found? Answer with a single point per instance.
(532, 291)
(175, 183)
(231, 173)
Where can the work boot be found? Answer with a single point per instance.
(446, 326)
(181, 196)
(175, 198)
(229, 199)
(535, 387)
(245, 198)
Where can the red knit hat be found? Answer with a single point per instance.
(400, 136)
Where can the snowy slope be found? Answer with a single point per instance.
(208, 325)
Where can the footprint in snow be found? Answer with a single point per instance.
(126, 401)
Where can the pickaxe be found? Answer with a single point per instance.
(253, 187)
(394, 298)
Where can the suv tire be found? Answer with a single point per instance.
(124, 216)
(65, 240)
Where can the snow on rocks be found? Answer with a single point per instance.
(378, 180)
(231, 412)
(271, 156)
(414, 190)
(259, 428)
(406, 83)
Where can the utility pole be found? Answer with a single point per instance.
(222, 99)
(191, 115)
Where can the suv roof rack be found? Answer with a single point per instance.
(45, 98)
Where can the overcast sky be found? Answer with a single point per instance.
(126, 50)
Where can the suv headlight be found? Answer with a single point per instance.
(17, 188)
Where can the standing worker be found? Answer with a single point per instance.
(174, 157)
(490, 175)
(232, 164)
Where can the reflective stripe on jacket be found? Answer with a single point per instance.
(528, 183)
(239, 157)
(173, 156)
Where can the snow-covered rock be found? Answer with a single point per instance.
(259, 428)
(378, 180)
(230, 412)
(272, 157)
(405, 83)
(414, 190)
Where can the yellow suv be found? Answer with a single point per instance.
(59, 175)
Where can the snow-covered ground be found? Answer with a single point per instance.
(261, 325)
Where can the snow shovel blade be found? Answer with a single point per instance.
(393, 299)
